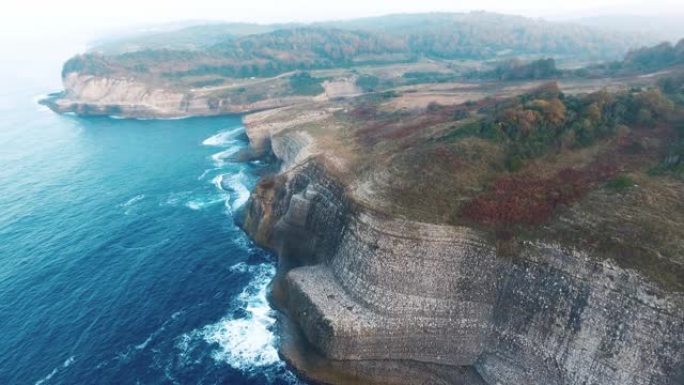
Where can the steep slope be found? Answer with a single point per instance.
(236, 68)
(385, 277)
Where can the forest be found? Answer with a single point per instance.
(537, 123)
(390, 39)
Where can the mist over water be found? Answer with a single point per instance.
(120, 262)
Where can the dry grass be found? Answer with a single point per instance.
(408, 163)
(640, 228)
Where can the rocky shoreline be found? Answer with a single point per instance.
(380, 299)
(90, 95)
(371, 296)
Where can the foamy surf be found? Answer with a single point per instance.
(223, 138)
(129, 205)
(234, 184)
(133, 200)
(217, 181)
(56, 370)
(199, 204)
(176, 199)
(244, 340)
(220, 158)
(207, 172)
(247, 343)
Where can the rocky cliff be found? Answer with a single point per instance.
(374, 297)
(135, 98)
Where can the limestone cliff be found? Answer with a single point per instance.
(134, 98)
(374, 297)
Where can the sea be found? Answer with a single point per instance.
(120, 258)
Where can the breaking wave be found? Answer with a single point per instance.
(244, 340)
(221, 158)
(248, 342)
(56, 370)
(223, 138)
(235, 186)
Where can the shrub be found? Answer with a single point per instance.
(620, 183)
(368, 83)
(303, 83)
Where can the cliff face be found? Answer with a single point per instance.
(383, 299)
(561, 317)
(128, 97)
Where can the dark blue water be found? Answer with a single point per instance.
(120, 262)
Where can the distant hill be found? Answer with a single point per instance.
(485, 34)
(663, 56)
(252, 50)
(653, 58)
(664, 27)
(180, 37)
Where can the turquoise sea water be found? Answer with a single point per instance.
(120, 262)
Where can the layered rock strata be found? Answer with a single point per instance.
(130, 98)
(389, 300)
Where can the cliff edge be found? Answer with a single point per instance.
(131, 97)
(386, 275)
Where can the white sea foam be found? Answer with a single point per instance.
(223, 138)
(69, 361)
(242, 267)
(206, 172)
(242, 195)
(133, 200)
(218, 182)
(234, 184)
(129, 205)
(156, 333)
(56, 370)
(142, 119)
(176, 198)
(244, 340)
(247, 343)
(220, 157)
(201, 203)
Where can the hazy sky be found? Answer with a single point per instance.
(36, 36)
(67, 17)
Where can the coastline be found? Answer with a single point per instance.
(328, 263)
(123, 97)
(361, 295)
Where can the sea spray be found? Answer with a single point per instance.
(247, 342)
(245, 338)
(223, 138)
(119, 266)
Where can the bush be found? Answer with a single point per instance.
(514, 163)
(518, 70)
(533, 124)
(368, 83)
(303, 83)
(89, 64)
(621, 183)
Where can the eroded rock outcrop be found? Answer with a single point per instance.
(562, 317)
(378, 298)
(134, 98)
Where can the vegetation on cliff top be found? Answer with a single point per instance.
(644, 59)
(273, 50)
(563, 167)
(543, 159)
